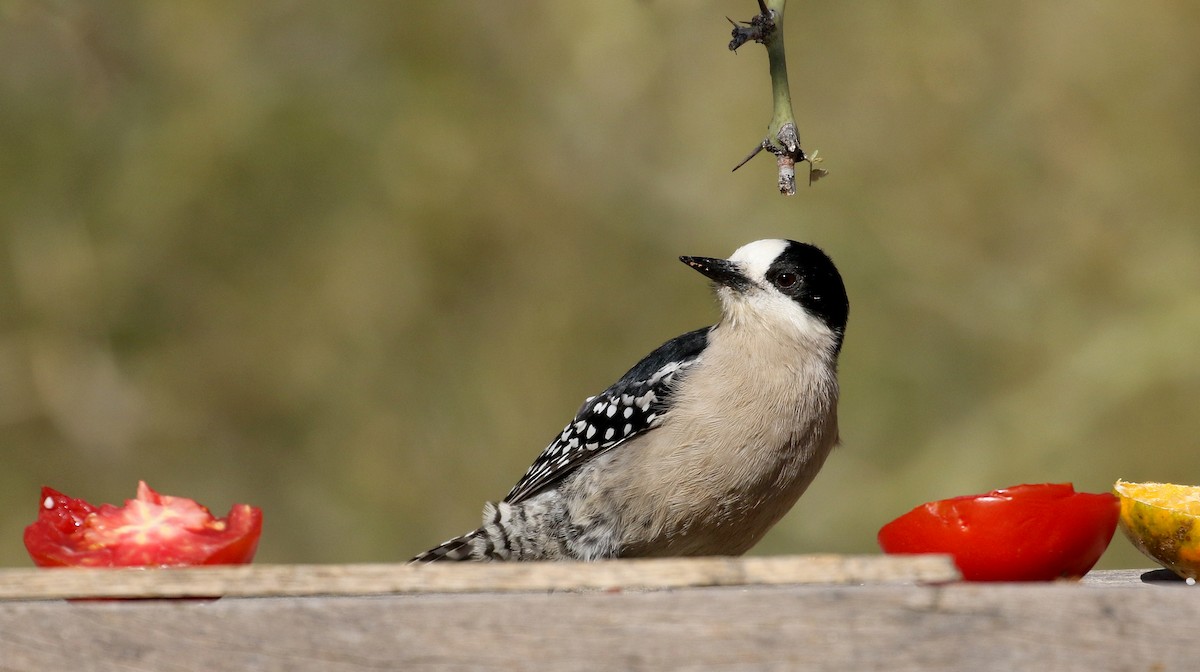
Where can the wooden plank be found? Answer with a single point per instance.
(901, 628)
(297, 580)
(1132, 577)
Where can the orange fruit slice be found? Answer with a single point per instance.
(1161, 520)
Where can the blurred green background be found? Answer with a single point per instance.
(356, 263)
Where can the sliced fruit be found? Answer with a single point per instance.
(151, 530)
(1160, 519)
(1037, 532)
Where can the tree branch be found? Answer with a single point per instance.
(783, 140)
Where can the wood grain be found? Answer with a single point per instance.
(299, 580)
(1122, 624)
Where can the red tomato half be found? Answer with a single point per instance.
(152, 530)
(1023, 533)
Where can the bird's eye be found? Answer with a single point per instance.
(786, 280)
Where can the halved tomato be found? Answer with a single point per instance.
(151, 530)
(1023, 533)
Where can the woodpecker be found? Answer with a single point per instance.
(705, 443)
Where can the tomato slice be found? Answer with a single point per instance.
(151, 530)
(1023, 533)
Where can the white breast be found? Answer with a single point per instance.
(743, 440)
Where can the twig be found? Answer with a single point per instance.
(783, 140)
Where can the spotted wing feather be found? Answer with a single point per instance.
(635, 404)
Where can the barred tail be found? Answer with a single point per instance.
(505, 535)
(457, 549)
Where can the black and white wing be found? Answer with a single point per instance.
(635, 404)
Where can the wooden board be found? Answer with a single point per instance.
(298, 580)
(1110, 621)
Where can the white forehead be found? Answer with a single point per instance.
(755, 258)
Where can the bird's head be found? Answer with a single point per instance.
(780, 283)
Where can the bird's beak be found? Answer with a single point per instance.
(721, 271)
